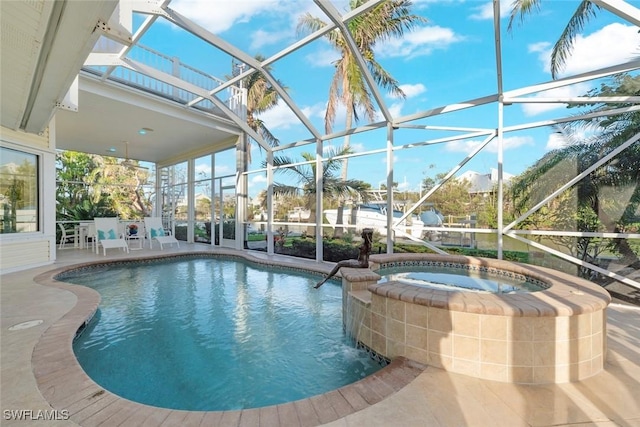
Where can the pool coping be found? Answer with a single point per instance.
(65, 385)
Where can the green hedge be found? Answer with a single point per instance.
(335, 250)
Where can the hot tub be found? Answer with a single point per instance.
(553, 335)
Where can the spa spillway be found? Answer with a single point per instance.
(555, 334)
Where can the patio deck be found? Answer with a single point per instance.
(435, 397)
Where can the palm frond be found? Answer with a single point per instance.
(332, 103)
(564, 45)
(266, 134)
(285, 190)
(520, 9)
(387, 19)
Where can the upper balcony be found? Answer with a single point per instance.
(148, 70)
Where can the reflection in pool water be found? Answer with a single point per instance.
(215, 334)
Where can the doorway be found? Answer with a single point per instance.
(225, 214)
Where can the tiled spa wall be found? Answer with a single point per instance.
(456, 332)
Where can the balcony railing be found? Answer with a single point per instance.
(231, 96)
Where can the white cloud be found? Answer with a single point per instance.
(508, 144)
(541, 47)
(410, 91)
(328, 148)
(220, 15)
(404, 185)
(561, 92)
(419, 42)
(413, 90)
(316, 110)
(485, 11)
(558, 140)
(262, 38)
(323, 57)
(257, 179)
(555, 141)
(279, 117)
(203, 169)
(282, 117)
(357, 147)
(612, 44)
(223, 170)
(396, 109)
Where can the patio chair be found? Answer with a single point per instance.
(65, 237)
(90, 236)
(108, 236)
(155, 231)
(86, 235)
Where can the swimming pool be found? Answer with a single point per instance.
(215, 334)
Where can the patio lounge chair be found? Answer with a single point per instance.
(108, 235)
(155, 231)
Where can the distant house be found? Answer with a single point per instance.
(484, 184)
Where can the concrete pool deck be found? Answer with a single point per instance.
(434, 397)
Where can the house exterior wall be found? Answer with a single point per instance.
(20, 251)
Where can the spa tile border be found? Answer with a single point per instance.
(468, 267)
(65, 385)
(565, 295)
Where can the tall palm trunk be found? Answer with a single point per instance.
(313, 214)
(339, 231)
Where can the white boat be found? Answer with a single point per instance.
(374, 216)
(299, 214)
(432, 218)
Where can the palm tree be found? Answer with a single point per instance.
(305, 175)
(348, 86)
(620, 174)
(562, 49)
(261, 97)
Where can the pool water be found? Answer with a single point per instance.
(214, 334)
(457, 279)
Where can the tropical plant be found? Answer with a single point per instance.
(348, 86)
(90, 186)
(332, 185)
(613, 187)
(124, 184)
(563, 47)
(72, 168)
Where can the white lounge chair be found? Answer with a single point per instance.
(155, 231)
(108, 235)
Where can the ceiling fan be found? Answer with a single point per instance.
(127, 162)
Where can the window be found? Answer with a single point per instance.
(18, 191)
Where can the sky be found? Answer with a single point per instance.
(448, 59)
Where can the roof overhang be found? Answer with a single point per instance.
(110, 115)
(44, 44)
